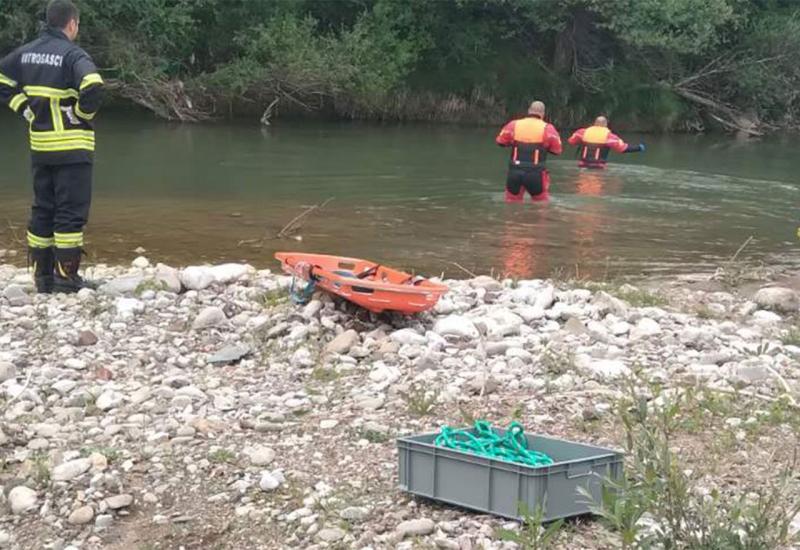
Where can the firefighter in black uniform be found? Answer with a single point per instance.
(55, 86)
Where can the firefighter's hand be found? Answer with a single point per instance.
(642, 148)
(28, 115)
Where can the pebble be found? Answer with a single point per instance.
(260, 456)
(333, 534)
(354, 513)
(103, 522)
(119, 501)
(75, 363)
(416, 527)
(269, 482)
(81, 516)
(87, 338)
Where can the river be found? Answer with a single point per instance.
(421, 197)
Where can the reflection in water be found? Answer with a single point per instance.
(523, 246)
(527, 243)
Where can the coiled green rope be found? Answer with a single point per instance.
(484, 441)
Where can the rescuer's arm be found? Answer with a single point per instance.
(11, 93)
(89, 84)
(506, 136)
(615, 142)
(635, 148)
(576, 138)
(552, 140)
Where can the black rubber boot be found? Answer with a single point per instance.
(43, 261)
(66, 278)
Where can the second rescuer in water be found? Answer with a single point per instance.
(530, 139)
(595, 142)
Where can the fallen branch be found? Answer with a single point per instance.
(15, 238)
(294, 225)
(464, 269)
(786, 388)
(768, 398)
(24, 389)
(268, 112)
(741, 248)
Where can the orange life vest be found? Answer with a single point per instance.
(528, 151)
(594, 150)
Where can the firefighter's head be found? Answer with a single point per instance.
(601, 121)
(63, 15)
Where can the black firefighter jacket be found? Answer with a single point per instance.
(55, 85)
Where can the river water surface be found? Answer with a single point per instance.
(421, 197)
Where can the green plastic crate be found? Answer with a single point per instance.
(498, 487)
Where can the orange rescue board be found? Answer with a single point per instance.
(368, 284)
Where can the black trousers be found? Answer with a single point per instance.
(62, 195)
(533, 181)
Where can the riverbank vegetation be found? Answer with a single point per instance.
(663, 65)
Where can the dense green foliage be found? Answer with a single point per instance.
(656, 64)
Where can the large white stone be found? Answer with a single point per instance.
(343, 342)
(197, 277)
(121, 285)
(21, 499)
(16, 296)
(776, 298)
(7, 371)
(456, 325)
(108, 400)
(407, 336)
(764, 317)
(141, 262)
(269, 481)
(260, 455)
(228, 273)
(169, 277)
(608, 369)
(545, 298)
(501, 321)
(128, 307)
(71, 469)
(383, 373)
(416, 527)
(606, 303)
(644, 328)
(209, 317)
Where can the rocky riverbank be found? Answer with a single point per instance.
(198, 408)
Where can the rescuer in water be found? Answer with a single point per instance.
(595, 142)
(530, 139)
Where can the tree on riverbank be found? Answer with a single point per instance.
(677, 65)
